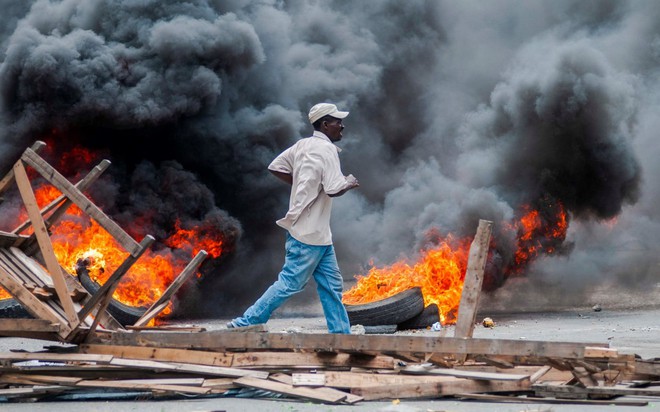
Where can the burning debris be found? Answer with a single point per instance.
(79, 241)
(29, 283)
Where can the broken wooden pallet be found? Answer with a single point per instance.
(30, 272)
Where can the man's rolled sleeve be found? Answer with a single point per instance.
(282, 163)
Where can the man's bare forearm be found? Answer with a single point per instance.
(352, 184)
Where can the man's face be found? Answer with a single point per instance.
(333, 128)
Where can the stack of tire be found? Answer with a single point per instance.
(403, 311)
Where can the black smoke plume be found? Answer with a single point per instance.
(460, 111)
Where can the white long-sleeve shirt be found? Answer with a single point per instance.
(314, 164)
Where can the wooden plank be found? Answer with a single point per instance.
(291, 380)
(159, 305)
(30, 267)
(463, 374)
(8, 326)
(438, 389)
(145, 385)
(162, 354)
(148, 315)
(181, 328)
(30, 302)
(244, 359)
(19, 271)
(103, 295)
(9, 177)
(219, 340)
(30, 379)
(32, 391)
(54, 357)
(348, 380)
(562, 390)
(278, 387)
(584, 377)
(647, 367)
(311, 360)
(540, 373)
(68, 189)
(171, 381)
(608, 353)
(185, 367)
(45, 245)
(530, 399)
(82, 185)
(474, 276)
(306, 379)
(536, 373)
(219, 385)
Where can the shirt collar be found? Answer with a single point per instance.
(323, 136)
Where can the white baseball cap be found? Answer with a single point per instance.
(325, 109)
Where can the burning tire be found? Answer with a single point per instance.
(390, 311)
(426, 318)
(12, 309)
(124, 314)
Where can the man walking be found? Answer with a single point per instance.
(311, 167)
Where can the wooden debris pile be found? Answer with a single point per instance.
(330, 369)
(30, 272)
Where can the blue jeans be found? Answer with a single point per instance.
(301, 262)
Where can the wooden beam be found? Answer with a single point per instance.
(30, 379)
(83, 184)
(54, 357)
(474, 276)
(244, 359)
(529, 399)
(438, 389)
(325, 391)
(45, 245)
(567, 390)
(144, 385)
(278, 387)
(162, 354)
(540, 373)
(9, 177)
(348, 380)
(223, 339)
(70, 191)
(162, 302)
(464, 374)
(188, 368)
(9, 326)
(30, 302)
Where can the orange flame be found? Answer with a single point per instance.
(539, 234)
(75, 236)
(440, 272)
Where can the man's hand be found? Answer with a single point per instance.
(352, 181)
(352, 184)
